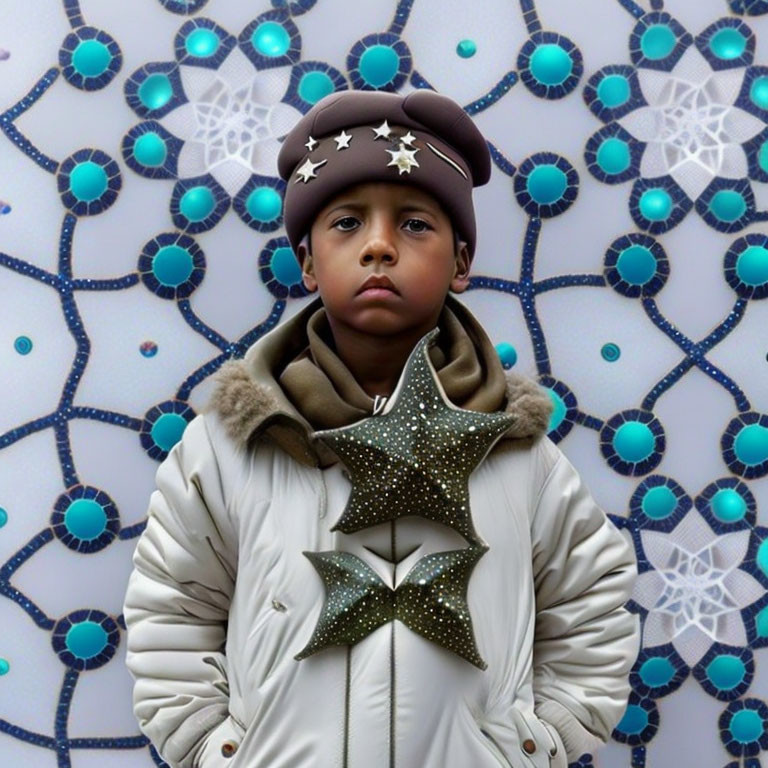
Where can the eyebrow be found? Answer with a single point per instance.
(409, 205)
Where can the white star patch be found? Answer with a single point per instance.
(408, 139)
(307, 171)
(311, 144)
(342, 140)
(382, 132)
(403, 159)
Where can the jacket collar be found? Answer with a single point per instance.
(250, 402)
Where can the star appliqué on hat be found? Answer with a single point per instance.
(311, 143)
(342, 140)
(307, 171)
(382, 132)
(408, 139)
(404, 159)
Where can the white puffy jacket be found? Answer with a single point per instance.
(221, 599)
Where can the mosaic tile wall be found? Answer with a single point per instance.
(622, 261)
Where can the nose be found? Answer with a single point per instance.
(380, 244)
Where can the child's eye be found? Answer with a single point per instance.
(347, 219)
(421, 225)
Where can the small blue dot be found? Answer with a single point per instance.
(4, 666)
(610, 352)
(466, 48)
(3, 517)
(23, 345)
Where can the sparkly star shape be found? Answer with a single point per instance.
(431, 600)
(307, 171)
(382, 132)
(415, 457)
(342, 140)
(408, 139)
(311, 144)
(404, 159)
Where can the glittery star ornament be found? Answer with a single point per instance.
(415, 457)
(307, 170)
(404, 159)
(431, 600)
(311, 143)
(408, 139)
(382, 132)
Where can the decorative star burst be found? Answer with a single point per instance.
(408, 139)
(342, 140)
(307, 170)
(415, 457)
(311, 143)
(404, 159)
(431, 600)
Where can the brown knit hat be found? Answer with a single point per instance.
(423, 138)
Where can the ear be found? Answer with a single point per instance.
(460, 279)
(307, 274)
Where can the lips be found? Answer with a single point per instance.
(380, 282)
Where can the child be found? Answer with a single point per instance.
(366, 552)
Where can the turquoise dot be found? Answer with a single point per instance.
(655, 204)
(88, 181)
(23, 345)
(379, 65)
(636, 264)
(202, 42)
(761, 623)
(86, 639)
(746, 725)
(546, 184)
(726, 671)
(752, 265)
(728, 43)
(150, 150)
(91, 58)
(507, 354)
(85, 519)
(466, 48)
(762, 156)
(728, 505)
(635, 719)
(550, 64)
(762, 556)
(659, 502)
(264, 204)
(271, 39)
(657, 42)
(751, 444)
(559, 411)
(167, 430)
(613, 155)
(728, 205)
(197, 203)
(3, 517)
(610, 352)
(172, 265)
(633, 441)
(285, 266)
(4, 666)
(613, 91)
(314, 85)
(156, 91)
(758, 92)
(657, 671)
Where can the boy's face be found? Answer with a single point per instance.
(385, 229)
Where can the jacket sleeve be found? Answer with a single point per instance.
(176, 605)
(585, 641)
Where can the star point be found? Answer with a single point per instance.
(403, 159)
(382, 132)
(342, 140)
(307, 170)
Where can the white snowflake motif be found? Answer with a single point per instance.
(691, 126)
(233, 121)
(695, 594)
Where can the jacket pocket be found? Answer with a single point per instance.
(540, 743)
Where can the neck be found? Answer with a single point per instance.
(376, 362)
